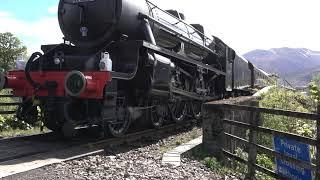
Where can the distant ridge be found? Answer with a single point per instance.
(297, 65)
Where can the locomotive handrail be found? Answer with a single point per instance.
(181, 36)
(166, 52)
(186, 24)
(155, 6)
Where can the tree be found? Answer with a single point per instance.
(10, 49)
(316, 79)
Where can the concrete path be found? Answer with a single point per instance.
(173, 156)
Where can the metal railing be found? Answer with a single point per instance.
(13, 102)
(281, 82)
(185, 35)
(219, 113)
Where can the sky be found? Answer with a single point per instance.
(244, 25)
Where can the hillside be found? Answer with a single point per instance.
(297, 65)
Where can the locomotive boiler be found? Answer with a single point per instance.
(124, 62)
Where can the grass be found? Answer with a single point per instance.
(181, 139)
(178, 143)
(17, 132)
(212, 163)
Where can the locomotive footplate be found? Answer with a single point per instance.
(170, 54)
(192, 95)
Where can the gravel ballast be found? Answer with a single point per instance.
(132, 161)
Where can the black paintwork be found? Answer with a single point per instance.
(155, 53)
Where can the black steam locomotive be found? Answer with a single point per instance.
(124, 60)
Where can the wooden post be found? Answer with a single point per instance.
(213, 132)
(252, 153)
(318, 144)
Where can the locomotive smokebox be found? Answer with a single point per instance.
(92, 23)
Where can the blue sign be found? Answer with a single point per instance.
(295, 150)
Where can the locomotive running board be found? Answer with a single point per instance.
(170, 54)
(185, 94)
(192, 95)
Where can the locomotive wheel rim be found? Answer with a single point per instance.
(156, 119)
(119, 127)
(196, 108)
(178, 111)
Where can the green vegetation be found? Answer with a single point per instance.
(178, 143)
(278, 98)
(19, 132)
(211, 162)
(8, 121)
(10, 49)
(262, 160)
(9, 125)
(315, 80)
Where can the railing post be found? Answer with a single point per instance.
(213, 132)
(318, 144)
(252, 152)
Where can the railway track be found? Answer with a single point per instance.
(19, 147)
(28, 137)
(39, 151)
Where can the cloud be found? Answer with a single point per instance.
(33, 34)
(250, 24)
(53, 10)
(4, 14)
(244, 25)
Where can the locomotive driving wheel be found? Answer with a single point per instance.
(28, 112)
(196, 109)
(178, 110)
(157, 114)
(121, 124)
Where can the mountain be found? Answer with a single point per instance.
(297, 65)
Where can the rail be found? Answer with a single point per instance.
(218, 113)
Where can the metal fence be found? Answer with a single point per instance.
(281, 82)
(6, 102)
(219, 113)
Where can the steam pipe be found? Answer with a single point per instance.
(148, 32)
